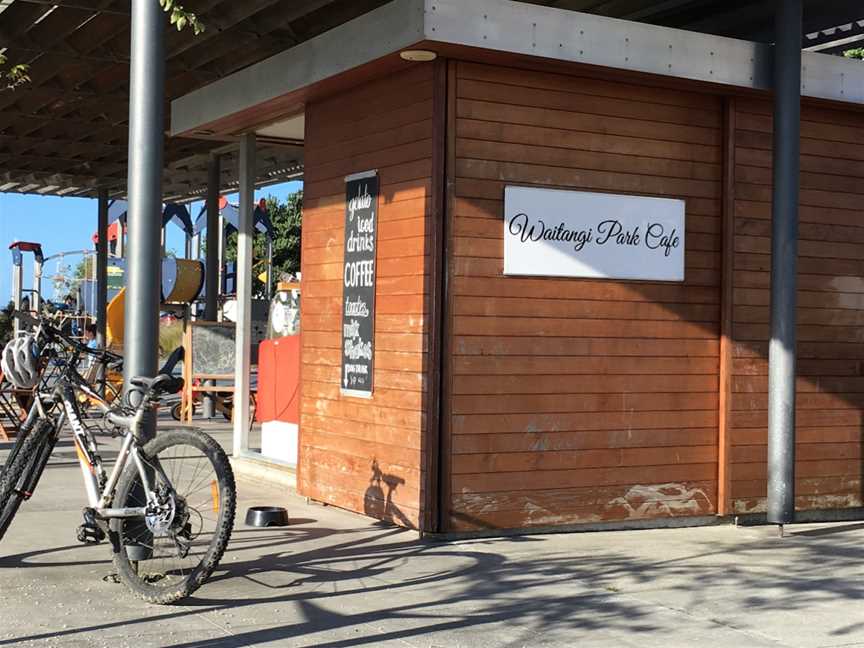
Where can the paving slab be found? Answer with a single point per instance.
(334, 579)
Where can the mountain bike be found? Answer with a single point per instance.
(56, 346)
(167, 506)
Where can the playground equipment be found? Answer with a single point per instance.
(182, 281)
(18, 248)
(229, 219)
(171, 213)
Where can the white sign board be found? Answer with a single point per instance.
(558, 233)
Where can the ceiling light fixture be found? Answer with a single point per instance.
(418, 56)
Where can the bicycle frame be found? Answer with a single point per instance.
(100, 490)
(98, 485)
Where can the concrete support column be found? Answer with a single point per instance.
(243, 334)
(143, 250)
(784, 257)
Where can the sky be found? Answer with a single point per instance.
(67, 224)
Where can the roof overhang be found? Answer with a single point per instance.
(281, 84)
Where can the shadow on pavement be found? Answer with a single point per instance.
(411, 588)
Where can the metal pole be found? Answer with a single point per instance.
(143, 249)
(221, 263)
(102, 280)
(94, 280)
(17, 287)
(784, 256)
(269, 269)
(36, 300)
(211, 262)
(243, 280)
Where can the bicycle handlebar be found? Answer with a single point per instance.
(42, 325)
(149, 389)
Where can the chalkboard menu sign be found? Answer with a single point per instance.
(358, 288)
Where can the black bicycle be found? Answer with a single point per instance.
(168, 504)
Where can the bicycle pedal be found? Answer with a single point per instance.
(90, 535)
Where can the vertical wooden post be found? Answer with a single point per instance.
(430, 520)
(445, 443)
(724, 445)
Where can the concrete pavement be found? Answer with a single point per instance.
(334, 579)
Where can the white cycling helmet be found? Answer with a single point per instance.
(20, 362)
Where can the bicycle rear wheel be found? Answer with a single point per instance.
(22, 475)
(170, 554)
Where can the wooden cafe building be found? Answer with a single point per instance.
(565, 270)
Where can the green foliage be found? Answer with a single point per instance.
(286, 218)
(6, 324)
(84, 269)
(13, 76)
(857, 53)
(180, 17)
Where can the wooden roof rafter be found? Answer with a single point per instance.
(70, 121)
(76, 107)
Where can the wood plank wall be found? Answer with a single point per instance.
(385, 125)
(830, 385)
(574, 400)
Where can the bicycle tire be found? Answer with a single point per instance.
(25, 469)
(128, 496)
(20, 437)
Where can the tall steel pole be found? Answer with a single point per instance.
(211, 261)
(784, 257)
(102, 279)
(143, 250)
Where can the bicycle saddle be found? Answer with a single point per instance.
(161, 384)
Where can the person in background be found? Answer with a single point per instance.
(90, 336)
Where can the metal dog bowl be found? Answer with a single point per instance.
(266, 516)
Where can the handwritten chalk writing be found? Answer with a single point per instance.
(357, 350)
(363, 200)
(351, 330)
(357, 243)
(356, 308)
(358, 289)
(360, 273)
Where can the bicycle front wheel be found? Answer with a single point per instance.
(170, 553)
(22, 474)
